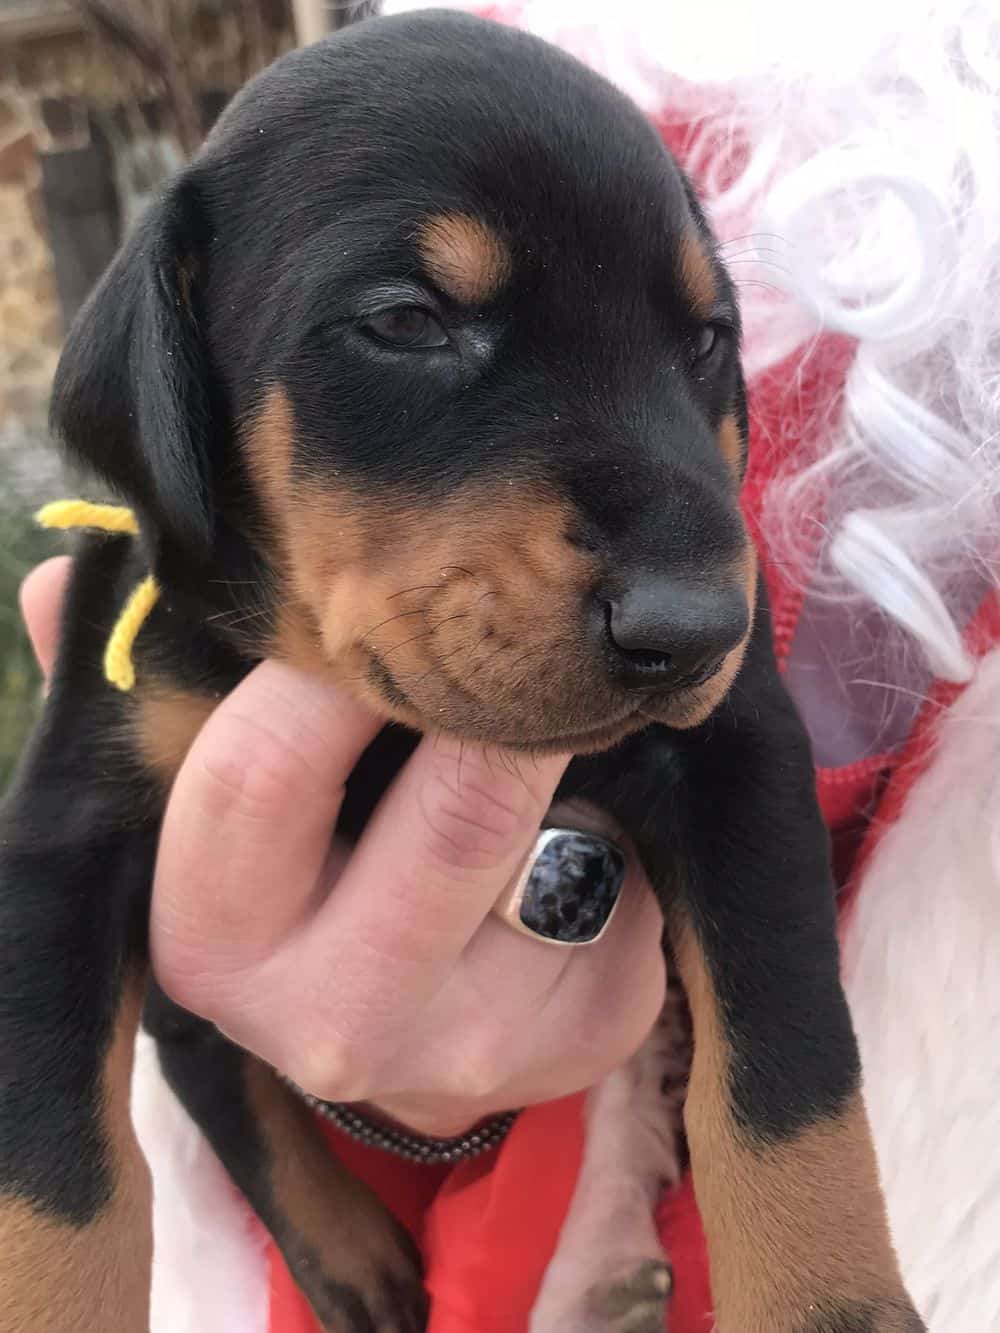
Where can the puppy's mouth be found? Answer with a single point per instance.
(680, 706)
(603, 732)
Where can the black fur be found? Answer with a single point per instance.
(258, 269)
(75, 863)
(862, 1319)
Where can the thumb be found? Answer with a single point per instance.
(41, 597)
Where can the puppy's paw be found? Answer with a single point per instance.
(631, 1297)
(385, 1305)
(373, 1284)
(636, 1302)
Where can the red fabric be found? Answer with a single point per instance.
(488, 1228)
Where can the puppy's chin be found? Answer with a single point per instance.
(583, 728)
(526, 741)
(450, 714)
(690, 708)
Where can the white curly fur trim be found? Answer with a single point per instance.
(922, 970)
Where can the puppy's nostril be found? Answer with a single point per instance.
(652, 661)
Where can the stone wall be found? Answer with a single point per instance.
(56, 90)
(30, 324)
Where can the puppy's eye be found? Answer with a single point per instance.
(707, 341)
(406, 326)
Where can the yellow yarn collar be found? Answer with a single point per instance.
(118, 667)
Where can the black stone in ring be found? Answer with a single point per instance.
(572, 888)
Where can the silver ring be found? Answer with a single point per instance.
(568, 890)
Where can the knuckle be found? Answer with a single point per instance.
(329, 1072)
(182, 982)
(245, 769)
(472, 820)
(479, 1075)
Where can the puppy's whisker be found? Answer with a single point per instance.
(400, 615)
(427, 634)
(447, 656)
(768, 265)
(230, 619)
(742, 255)
(515, 761)
(766, 286)
(420, 587)
(533, 652)
(460, 615)
(749, 236)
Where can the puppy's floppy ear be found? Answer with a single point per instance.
(131, 398)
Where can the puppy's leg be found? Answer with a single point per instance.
(78, 834)
(75, 1201)
(725, 819)
(354, 1263)
(784, 1166)
(609, 1273)
(794, 1217)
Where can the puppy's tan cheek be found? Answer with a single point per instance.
(486, 577)
(479, 596)
(731, 445)
(316, 538)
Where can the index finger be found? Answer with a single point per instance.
(453, 829)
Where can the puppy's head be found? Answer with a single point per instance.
(434, 327)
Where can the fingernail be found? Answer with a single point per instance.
(568, 891)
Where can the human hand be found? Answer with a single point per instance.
(379, 974)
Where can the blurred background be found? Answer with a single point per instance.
(99, 101)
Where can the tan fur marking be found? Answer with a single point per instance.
(331, 1226)
(463, 604)
(56, 1278)
(271, 444)
(790, 1227)
(731, 444)
(697, 274)
(475, 606)
(166, 724)
(465, 257)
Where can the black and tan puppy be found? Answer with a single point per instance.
(433, 315)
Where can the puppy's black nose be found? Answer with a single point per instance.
(667, 633)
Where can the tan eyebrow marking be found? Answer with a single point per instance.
(697, 274)
(465, 257)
